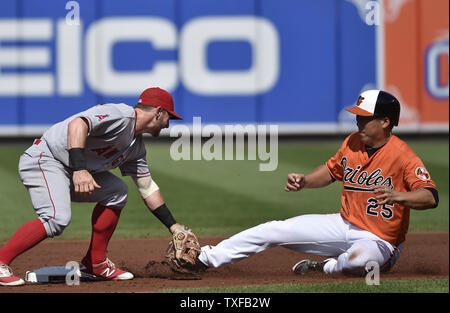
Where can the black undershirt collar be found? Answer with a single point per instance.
(371, 151)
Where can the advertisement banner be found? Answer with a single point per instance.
(416, 60)
(293, 63)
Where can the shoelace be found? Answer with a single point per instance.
(5, 270)
(109, 263)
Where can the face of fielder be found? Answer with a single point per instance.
(161, 121)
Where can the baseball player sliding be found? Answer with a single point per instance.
(71, 162)
(382, 179)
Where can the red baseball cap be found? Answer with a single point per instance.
(157, 97)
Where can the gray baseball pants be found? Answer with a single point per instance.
(51, 190)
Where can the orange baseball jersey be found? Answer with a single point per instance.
(395, 165)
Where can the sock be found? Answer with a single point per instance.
(104, 222)
(25, 238)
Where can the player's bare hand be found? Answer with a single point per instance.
(84, 183)
(295, 182)
(386, 195)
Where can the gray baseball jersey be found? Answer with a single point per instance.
(111, 143)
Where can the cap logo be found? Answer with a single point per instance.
(140, 101)
(360, 100)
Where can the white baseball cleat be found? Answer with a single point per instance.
(7, 278)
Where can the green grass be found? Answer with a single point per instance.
(220, 198)
(385, 286)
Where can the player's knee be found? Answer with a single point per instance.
(56, 225)
(122, 191)
(117, 199)
(358, 261)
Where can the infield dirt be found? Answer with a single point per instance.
(424, 255)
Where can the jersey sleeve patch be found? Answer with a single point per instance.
(100, 117)
(422, 173)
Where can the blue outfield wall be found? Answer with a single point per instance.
(237, 61)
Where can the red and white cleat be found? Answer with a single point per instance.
(7, 278)
(103, 271)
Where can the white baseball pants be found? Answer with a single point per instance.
(320, 234)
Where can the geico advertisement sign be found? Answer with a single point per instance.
(96, 44)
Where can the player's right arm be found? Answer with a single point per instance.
(154, 201)
(319, 177)
(77, 133)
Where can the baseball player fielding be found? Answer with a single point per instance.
(72, 162)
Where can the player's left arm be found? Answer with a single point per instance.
(421, 191)
(420, 199)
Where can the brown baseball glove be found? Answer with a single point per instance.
(183, 248)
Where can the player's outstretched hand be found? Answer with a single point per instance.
(295, 182)
(84, 183)
(184, 247)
